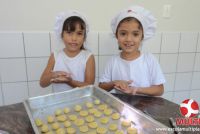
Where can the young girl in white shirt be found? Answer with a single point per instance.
(73, 66)
(132, 71)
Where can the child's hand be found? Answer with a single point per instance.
(122, 84)
(60, 77)
(130, 90)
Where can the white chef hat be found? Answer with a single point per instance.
(144, 16)
(60, 19)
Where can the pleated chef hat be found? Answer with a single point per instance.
(145, 17)
(60, 19)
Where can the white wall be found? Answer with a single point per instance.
(37, 15)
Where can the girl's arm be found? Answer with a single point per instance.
(45, 79)
(107, 85)
(89, 74)
(155, 90)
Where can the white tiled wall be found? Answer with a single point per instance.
(23, 57)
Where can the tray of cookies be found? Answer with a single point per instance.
(87, 110)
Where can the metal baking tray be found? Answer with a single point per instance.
(41, 106)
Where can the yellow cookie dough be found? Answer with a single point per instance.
(107, 111)
(50, 132)
(97, 102)
(77, 108)
(89, 118)
(79, 122)
(61, 118)
(89, 105)
(60, 131)
(115, 116)
(101, 130)
(50, 119)
(71, 130)
(102, 107)
(97, 114)
(112, 127)
(92, 110)
(92, 132)
(38, 122)
(126, 123)
(83, 113)
(44, 128)
(72, 117)
(119, 132)
(104, 120)
(132, 130)
(66, 110)
(55, 126)
(93, 125)
(83, 129)
(67, 124)
(58, 112)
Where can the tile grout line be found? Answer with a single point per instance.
(3, 97)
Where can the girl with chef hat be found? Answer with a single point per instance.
(132, 71)
(73, 66)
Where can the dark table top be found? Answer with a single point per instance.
(14, 119)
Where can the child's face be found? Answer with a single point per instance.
(74, 40)
(129, 36)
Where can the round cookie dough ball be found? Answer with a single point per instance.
(97, 101)
(92, 132)
(67, 123)
(58, 112)
(83, 129)
(72, 117)
(89, 105)
(102, 107)
(89, 118)
(93, 124)
(38, 122)
(83, 113)
(92, 110)
(115, 116)
(77, 108)
(97, 114)
(55, 126)
(61, 118)
(66, 110)
(132, 130)
(60, 131)
(104, 120)
(107, 112)
(79, 122)
(71, 130)
(44, 128)
(112, 127)
(101, 130)
(50, 119)
(126, 123)
(119, 132)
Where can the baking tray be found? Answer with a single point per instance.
(42, 106)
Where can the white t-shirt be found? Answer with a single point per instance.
(74, 65)
(144, 71)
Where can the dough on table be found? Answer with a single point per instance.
(71, 130)
(112, 127)
(66, 110)
(102, 107)
(115, 116)
(67, 123)
(89, 105)
(119, 132)
(104, 120)
(107, 111)
(126, 123)
(101, 130)
(79, 122)
(38, 122)
(83, 129)
(93, 124)
(89, 118)
(132, 130)
(97, 114)
(83, 113)
(61, 118)
(44, 128)
(55, 126)
(60, 131)
(97, 101)
(72, 117)
(77, 108)
(92, 110)
(50, 119)
(58, 112)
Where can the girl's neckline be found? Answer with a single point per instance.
(131, 58)
(72, 57)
